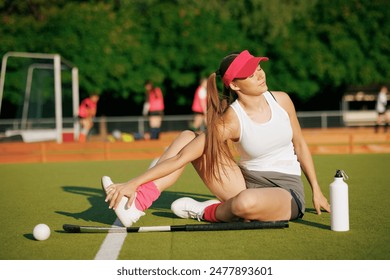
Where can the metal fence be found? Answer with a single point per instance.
(133, 124)
(321, 119)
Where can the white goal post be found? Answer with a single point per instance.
(57, 62)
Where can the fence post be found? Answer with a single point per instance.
(324, 121)
(141, 125)
(43, 152)
(351, 143)
(106, 151)
(103, 127)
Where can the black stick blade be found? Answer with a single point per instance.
(189, 227)
(71, 228)
(237, 226)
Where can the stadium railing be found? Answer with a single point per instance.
(133, 124)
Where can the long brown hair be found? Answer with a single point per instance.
(216, 149)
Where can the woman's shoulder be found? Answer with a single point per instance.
(279, 94)
(231, 124)
(284, 100)
(281, 97)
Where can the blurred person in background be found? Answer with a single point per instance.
(87, 112)
(154, 108)
(381, 109)
(199, 106)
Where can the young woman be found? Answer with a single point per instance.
(199, 106)
(381, 109)
(155, 101)
(87, 112)
(264, 185)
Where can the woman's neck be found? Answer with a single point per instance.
(256, 107)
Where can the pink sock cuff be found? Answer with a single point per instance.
(146, 195)
(209, 214)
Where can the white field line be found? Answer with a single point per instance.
(112, 245)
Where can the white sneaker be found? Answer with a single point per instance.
(127, 215)
(188, 208)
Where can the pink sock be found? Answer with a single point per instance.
(209, 214)
(146, 194)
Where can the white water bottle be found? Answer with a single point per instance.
(339, 208)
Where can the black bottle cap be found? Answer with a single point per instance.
(339, 174)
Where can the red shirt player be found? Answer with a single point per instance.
(199, 105)
(155, 99)
(87, 111)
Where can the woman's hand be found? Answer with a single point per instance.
(320, 202)
(116, 192)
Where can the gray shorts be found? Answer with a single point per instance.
(270, 179)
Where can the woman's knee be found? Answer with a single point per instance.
(183, 139)
(244, 204)
(187, 135)
(263, 204)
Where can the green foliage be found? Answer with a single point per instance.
(117, 45)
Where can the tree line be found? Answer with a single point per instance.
(316, 48)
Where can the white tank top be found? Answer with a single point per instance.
(267, 146)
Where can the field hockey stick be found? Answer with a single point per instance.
(189, 227)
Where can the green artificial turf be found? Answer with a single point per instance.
(59, 193)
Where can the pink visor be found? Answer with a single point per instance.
(242, 66)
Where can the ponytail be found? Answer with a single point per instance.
(216, 149)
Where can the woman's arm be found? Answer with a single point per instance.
(190, 152)
(303, 153)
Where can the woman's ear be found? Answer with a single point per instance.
(233, 86)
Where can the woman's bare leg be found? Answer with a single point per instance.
(155, 121)
(232, 181)
(198, 121)
(263, 204)
(181, 141)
